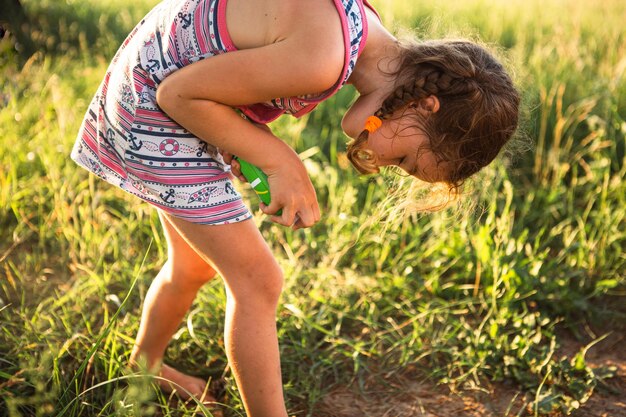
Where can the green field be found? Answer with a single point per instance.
(518, 295)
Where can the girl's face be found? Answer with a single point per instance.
(400, 142)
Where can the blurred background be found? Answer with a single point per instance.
(510, 305)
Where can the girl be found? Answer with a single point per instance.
(174, 94)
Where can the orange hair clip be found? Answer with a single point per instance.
(372, 124)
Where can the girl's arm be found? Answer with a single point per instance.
(229, 158)
(199, 97)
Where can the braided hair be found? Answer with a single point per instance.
(478, 106)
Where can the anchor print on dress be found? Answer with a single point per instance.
(150, 51)
(202, 148)
(230, 189)
(152, 59)
(205, 147)
(169, 196)
(186, 34)
(134, 145)
(185, 18)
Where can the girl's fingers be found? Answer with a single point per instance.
(287, 218)
(304, 219)
(290, 217)
(235, 168)
(227, 157)
(271, 209)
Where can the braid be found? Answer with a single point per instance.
(406, 93)
(478, 106)
(429, 81)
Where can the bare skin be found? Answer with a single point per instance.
(277, 57)
(398, 142)
(183, 384)
(253, 282)
(167, 301)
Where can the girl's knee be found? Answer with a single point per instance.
(273, 285)
(261, 286)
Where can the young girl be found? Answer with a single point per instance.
(175, 93)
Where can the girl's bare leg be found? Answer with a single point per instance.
(167, 301)
(253, 281)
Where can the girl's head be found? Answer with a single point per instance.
(454, 107)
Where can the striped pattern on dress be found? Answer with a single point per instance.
(128, 141)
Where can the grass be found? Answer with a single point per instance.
(463, 299)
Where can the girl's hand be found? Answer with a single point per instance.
(235, 167)
(292, 190)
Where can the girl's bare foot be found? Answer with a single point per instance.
(173, 380)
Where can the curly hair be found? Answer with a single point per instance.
(478, 106)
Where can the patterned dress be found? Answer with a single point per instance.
(128, 141)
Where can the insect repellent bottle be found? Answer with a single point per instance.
(258, 181)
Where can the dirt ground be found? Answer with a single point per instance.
(414, 398)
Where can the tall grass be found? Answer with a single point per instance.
(459, 298)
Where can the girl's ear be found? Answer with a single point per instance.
(429, 104)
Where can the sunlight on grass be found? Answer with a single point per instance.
(464, 299)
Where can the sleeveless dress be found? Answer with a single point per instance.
(128, 141)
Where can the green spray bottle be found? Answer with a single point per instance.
(258, 181)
